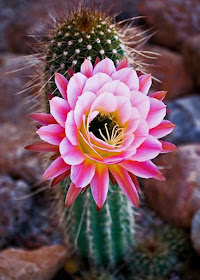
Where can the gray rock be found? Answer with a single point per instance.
(185, 114)
(195, 232)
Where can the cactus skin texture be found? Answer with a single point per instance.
(105, 237)
(160, 249)
(83, 35)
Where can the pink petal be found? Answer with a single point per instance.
(135, 182)
(43, 118)
(106, 102)
(149, 149)
(75, 88)
(99, 184)
(52, 133)
(71, 129)
(61, 84)
(97, 60)
(141, 102)
(71, 72)
(164, 128)
(127, 76)
(83, 106)
(123, 110)
(167, 147)
(133, 122)
(156, 113)
(72, 194)
(116, 87)
(87, 68)
(160, 95)
(105, 66)
(141, 133)
(126, 184)
(95, 82)
(145, 169)
(59, 109)
(55, 169)
(145, 83)
(60, 178)
(42, 147)
(123, 64)
(82, 174)
(71, 154)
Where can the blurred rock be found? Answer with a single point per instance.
(28, 221)
(178, 198)
(41, 264)
(168, 67)
(21, 18)
(185, 113)
(191, 55)
(173, 20)
(15, 101)
(15, 160)
(195, 232)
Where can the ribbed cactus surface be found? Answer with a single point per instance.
(104, 237)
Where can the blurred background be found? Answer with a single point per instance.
(27, 219)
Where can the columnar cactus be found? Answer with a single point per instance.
(103, 237)
(97, 136)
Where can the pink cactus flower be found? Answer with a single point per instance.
(104, 126)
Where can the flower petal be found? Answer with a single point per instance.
(116, 87)
(145, 169)
(145, 83)
(75, 88)
(131, 125)
(141, 102)
(149, 149)
(105, 66)
(160, 95)
(87, 68)
(167, 147)
(83, 106)
(123, 110)
(95, 82)
(71, 154)
(82, 174)
(156, 113)
(106, 102)
(99, 184)
(42, 147)
(71, 129)
(60, 178)
(72, 194)
(55, 169)
(52, 133)
(61, 84)
(126, 184)
(59, 109)
(123, 64)
(43, 118)
(127, 76)
(164, 128)
(141, 133)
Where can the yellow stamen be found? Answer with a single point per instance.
(116, 137)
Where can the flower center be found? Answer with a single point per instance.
(105, 127)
